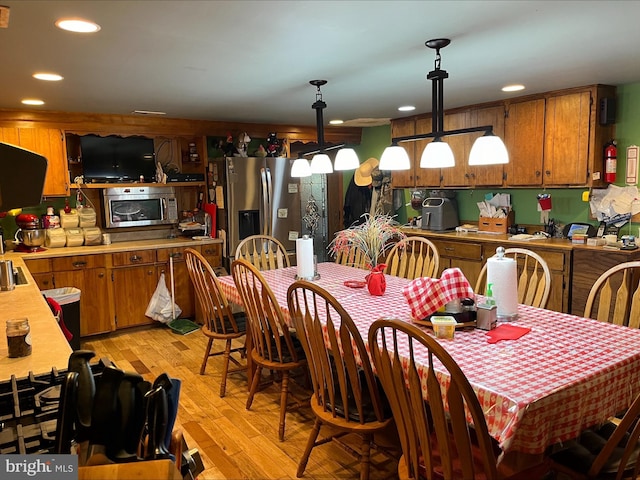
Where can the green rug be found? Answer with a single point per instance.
(183, 326)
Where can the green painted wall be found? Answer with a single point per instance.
(567, 202)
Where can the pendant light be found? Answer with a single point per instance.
(487, 149)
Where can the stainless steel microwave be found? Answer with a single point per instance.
(139, 206)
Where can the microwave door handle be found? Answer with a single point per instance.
(163, 213)
(265, 202)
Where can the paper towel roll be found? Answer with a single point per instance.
(502, 274)
(304, 258)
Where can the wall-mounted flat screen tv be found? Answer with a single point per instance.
(114, 159)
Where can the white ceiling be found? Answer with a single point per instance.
(251, 61)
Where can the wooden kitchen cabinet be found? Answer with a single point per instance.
(467, 256)
(524, 139)
(50, 143)
(401, 128)
(485, 175)
(425, 177)
(41, 271)
(213, 254)
(135, 278)
(460, 174)
(184, 293)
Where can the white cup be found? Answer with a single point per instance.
(611, 239)
(106, 239)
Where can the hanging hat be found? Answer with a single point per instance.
(362, 176)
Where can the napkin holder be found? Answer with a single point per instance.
(487, 316)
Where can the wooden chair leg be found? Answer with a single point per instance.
(313, 436)
(284, 393)
(207, 352)
(225, 368)
(365, 458)
(254, 386)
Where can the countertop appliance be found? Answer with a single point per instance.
(439, 214)
(30, 236)
(260, 198)
(139, 206)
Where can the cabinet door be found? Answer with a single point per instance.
(566, 147)
(487, 175)
(183, 289)
(524, 138)
(43, 280)
(93, 284)
(133, 288)
(459, 175)
(425, 177)
(401, 128)
(50, 143)
(213, 254)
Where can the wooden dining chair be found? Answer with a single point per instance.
(273, 346)
(412, 258)
(608, 451)
(263, 251)
(221, 323)
(353, 257)
(534, 277)
(435, 440)
(615, 296)
(346, 396)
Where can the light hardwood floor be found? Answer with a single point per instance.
(234, 443)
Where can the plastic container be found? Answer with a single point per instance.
(69, 300)
(444, 326)
(18, 337)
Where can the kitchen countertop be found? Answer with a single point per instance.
(49, 346)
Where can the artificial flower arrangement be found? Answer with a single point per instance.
(373, 237)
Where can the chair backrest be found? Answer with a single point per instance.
(269, 331)
(215, 307)
(534, 277)
(354, 257)
(344, 385)
(412, 258)
(617, 295)
(263, 251)
(436, 432)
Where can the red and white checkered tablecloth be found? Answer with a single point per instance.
(566, 374)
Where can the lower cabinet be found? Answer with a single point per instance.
(183, 289)
(466, 256)
(135, 278)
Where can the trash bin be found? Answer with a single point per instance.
(69, 300)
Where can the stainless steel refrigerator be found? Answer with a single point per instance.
(261, 198)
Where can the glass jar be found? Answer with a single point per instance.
(19, 337)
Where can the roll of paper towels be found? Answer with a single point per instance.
(502, 273)
(304, 258)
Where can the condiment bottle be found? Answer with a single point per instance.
(19, 337)
(490, 300)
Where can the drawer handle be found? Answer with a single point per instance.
(101, 275)
(175, 255)
(134, 258)
(449, 249)
(79, 264)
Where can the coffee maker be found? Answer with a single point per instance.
(30, 236)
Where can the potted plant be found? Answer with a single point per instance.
(373, 237)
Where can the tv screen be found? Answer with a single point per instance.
(115, 159)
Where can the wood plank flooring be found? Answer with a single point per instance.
(234, 443)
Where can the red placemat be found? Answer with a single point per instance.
(506, 332)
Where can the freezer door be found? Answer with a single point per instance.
(244, 201)
(283, 192)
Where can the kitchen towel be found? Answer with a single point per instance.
(425, 295)
(506, 332)
(304, 258)
(502, 274)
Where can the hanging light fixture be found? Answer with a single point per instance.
(487, 149)
(346, 158)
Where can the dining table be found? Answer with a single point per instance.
(565, 374)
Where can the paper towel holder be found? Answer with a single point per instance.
(502, 316)
(316, 275)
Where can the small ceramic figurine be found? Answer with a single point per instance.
(243, 144)
(273, 145)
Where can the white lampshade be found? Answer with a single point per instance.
(488, 150)
(437, 154)
(321, 163)
(346, 159)
(394, 157)
(300, 168)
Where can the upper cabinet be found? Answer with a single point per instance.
(50, 143)
(425, 177)
(554, 139)
(402, 128)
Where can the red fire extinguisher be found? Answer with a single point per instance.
(610, 161)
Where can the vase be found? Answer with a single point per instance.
(376, 281)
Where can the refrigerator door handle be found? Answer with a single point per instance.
(266, 226)
(269, 201)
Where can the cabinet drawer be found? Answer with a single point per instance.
(42, 265)
(471, 251)
(213, 254)
(163, 254)
(139, 257)
(78, 262)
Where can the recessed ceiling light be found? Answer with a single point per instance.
(513, 88)
(406, 108)
(77, 25)
(32, 101)
(51, 77)
(148, 112)
(336, 122)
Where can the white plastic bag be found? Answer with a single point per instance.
(161, 307)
